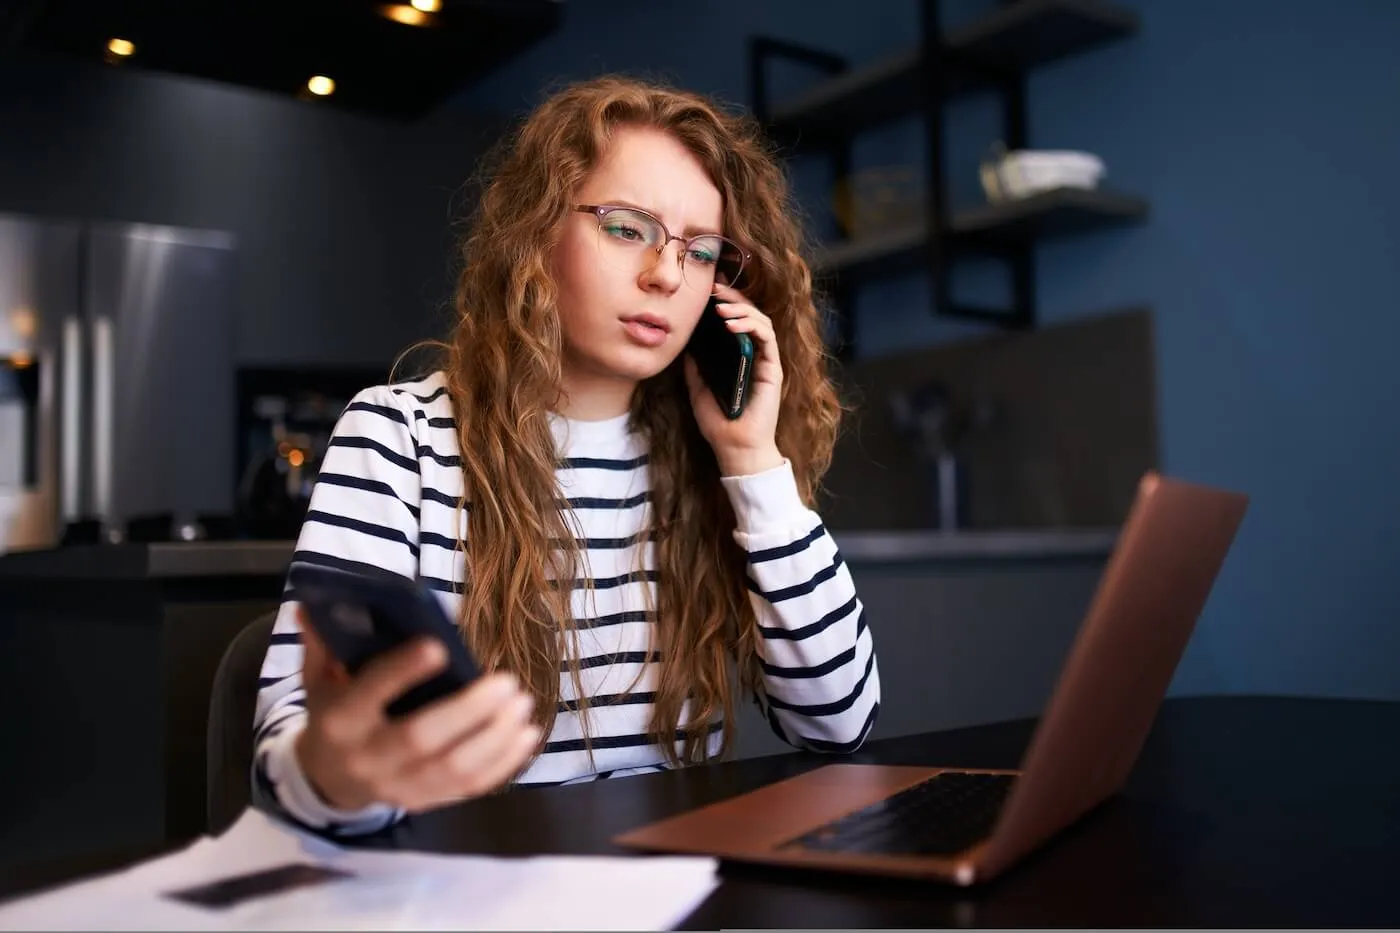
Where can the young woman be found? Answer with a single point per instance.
(624, 559)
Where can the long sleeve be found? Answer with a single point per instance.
(820, 682)
(363, 517)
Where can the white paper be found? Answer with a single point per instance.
(390, 890)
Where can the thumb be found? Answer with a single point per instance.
(702, 400)
(318, 666)
(693, 382)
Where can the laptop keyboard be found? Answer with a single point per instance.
(943, 815)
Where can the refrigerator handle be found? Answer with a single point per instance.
(103, 424)
(70, 491)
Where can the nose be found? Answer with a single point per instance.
(663, 272)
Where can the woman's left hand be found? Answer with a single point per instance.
(748, 444)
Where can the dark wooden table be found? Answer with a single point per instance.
(1241, 812)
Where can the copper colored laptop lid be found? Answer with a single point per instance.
(1153, 589)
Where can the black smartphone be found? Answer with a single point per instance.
(724, 358)
(360, 617)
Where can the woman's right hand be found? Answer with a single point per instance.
(459, 747)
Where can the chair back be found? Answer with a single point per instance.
(232, 704)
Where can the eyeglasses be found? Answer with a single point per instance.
(626, 233)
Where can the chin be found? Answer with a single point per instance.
(640, 369)
(638, 364)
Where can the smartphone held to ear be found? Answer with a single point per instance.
(360, 617)
(725, 360)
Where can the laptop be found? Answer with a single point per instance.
(967, 825)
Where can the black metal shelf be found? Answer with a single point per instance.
(994, 53)
(1016, 38)
(1050, 214)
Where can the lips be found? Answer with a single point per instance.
(649, 320)
(646, 330)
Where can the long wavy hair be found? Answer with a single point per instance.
(503, 371)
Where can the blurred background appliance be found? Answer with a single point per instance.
(116, 355)
(284, 422)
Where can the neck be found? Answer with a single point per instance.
(588, 397)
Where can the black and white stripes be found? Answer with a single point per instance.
(387, 502)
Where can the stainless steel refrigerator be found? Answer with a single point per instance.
(116, 377)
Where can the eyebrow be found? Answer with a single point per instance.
(688, 232)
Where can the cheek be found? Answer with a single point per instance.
(692, 315)
(571, 267)
(575, 275)
(583, 276)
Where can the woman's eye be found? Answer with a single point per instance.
(625, 232)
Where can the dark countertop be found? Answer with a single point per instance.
(868, 547)
(270, 558)
(144, 561)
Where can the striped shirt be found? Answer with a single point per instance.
(386, 499)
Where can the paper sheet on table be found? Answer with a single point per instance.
(388, 890)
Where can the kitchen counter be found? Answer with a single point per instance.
(270, 558)
(1008, 543)
(182, 560)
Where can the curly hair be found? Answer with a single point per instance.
(503, 372)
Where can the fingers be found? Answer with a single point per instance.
(746, 319)
(478, 763)
(461, 746)
(313, 665)
(729, 293)
(389, 676)
(511, 754)
(743, 318)
(318, 667)
(439, 726)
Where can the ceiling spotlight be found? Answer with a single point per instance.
(426, 6)
(121, 47)
(320, 85)
(403, 13)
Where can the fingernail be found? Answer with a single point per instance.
(432, 652)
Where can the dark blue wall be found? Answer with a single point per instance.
(1267, 135)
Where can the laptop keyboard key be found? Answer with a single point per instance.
(942, 816)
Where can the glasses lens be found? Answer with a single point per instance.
(629, 239)
(711, 259)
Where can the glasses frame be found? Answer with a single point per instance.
(599, 211)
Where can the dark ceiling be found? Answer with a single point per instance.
(380, 66)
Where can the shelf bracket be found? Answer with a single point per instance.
(933, 78)
(763, 50)
(1018, 257)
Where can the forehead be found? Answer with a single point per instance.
(654, 170)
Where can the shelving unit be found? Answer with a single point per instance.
(994, 53)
